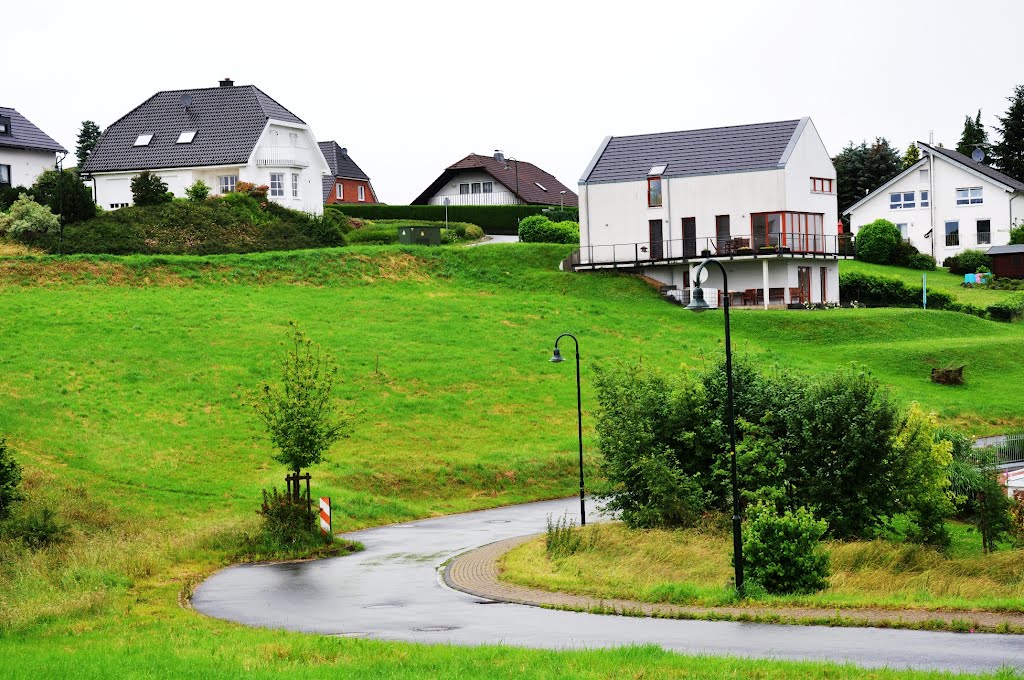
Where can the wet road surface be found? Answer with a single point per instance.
(393, 591)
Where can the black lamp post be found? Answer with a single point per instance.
(556, 357)
(697, 304)
(500, 157)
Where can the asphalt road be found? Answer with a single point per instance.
(393, 591)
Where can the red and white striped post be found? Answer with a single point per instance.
(325, 515)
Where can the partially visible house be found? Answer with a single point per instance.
(945, 203)
(220, 135)
(25, 150)
(346, 183)
(1007, 261)
(495, 180)
(760, 199)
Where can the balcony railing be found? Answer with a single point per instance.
(984, 238)
(681, 250)
(489, 198)
(281, 156)
(953, 239)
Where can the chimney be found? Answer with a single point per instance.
(344, 151)
(227, 82)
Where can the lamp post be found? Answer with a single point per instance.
(697, 304)
(556, 358)
(561, 199)
(500, 157)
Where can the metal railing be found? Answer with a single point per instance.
(282, 156)
(488, 198)
(984, 238)
(699, 248)
(1003, 450)
(953, 239)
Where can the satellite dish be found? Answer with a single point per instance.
(186, 100)
(977, 155)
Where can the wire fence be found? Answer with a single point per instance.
(1004, 450)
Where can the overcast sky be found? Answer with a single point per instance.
(411, 87)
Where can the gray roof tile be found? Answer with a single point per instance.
(25, 135)
(1005, 250)
(227, 120)
(969, 162)
(739, 148)
(340, 162)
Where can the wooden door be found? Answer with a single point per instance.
(656, 240)
(803, 282)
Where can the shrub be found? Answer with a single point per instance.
(65, 195)
(888, 291)
(783, 553)
(906, 255)
(561, 215)
(37, 527)
(373, 235)
(494, 219)
(10, 478)
(198, 192)
(1009, 309)
(878, 242)
(968, 262)
(257, 191)
(473, 233)
(539, 229)
(562, 538)
(149, 189)
(287, 522)
(8, 195)
(27, 219)
(1017, 233)
(921, 261)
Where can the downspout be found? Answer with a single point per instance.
(1015, 196)
(931, 203)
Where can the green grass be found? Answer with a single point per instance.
(121, 386)
(940, 279)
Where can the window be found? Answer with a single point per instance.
(952, 233)
(115, 206)
(968, 196)
(295, 185)
(903, 230)
(924, 199)
(653, 192)
(464, 188)
(293, 138)
(821, 185)
(488, 187)
(339, 191)
(5, 125)
(922, 174)
(984, 232)
(657, 171)
(143, 140)
(5, 176)
(799, 232)
(227, 183)
(186, 137)
(362, 192)
(901, 200)
(475, 188)
(542, 187)
(277, 184)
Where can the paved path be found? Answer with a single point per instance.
(497, 238)
(393, 591)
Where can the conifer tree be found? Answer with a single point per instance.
(87, 138)
(1009, 150)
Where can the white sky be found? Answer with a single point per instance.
(411, 87)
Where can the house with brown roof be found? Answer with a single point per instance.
(495, 180)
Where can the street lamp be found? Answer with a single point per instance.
(561, 199)
(697, 304)
(500, 157)
(556, 358)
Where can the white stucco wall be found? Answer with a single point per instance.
(26, 165)
(943, 181)
(747, 274)
(499, 196)
(810, 159)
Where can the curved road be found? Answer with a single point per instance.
(393, 591)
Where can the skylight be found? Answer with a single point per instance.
(143, 140)
(542, 187)
(186, 137)
(657, 170)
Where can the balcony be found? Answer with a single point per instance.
(680, 251)
(490, 198)
(281, 157)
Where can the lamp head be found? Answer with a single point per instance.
(556, 357)
(697, 303)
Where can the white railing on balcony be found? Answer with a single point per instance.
(492, 198)
(282, 156)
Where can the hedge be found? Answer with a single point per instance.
(494, 219)
(887, 291)
(1010, 309)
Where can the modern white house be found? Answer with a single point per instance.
(25, 150)
(761, 199)
(495, 180)
(945, 203)
(220, 135)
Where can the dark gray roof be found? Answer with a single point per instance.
(738, 148)
(969, 162)
(228, 122)
(1005, 250)
(25, 135)
(340, 162)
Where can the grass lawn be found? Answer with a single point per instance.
(693, 567)
(121, 391)
(940, 279)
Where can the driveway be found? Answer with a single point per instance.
(497, 238)
(393, 591)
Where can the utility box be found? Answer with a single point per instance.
(420, 236)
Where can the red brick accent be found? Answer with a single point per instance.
(350, 192)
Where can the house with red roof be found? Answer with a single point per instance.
(495, 180)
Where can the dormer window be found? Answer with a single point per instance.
(5, 125)
(143, 140)
(186, 137)
(542, 187)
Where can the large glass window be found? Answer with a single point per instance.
(277, 184)
(968, 196)
(953, 233)
(654, 192)
(900, 200)
(984, 232)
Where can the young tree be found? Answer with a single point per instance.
(911, 155)
(149, 189)
(10, 477)
(88, 135)
(65, 194)
(298, 411)
(973, 136)
(1009, 150)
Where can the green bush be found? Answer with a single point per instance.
(1017, 233)
(37, 527)
(373, 235)
(288, 524)
(539, 229)
(198, 192)
(888, 291)
(26, 220)
(493, 219)
(1009, 309)
(149, 189)
(878, 242)
(10, 478)
(65, 195)
(906, 255)
(561, 215)
(8, 195)
(783, 553)
(967, 262)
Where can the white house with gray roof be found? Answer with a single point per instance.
(759, 198)
(220, 135)
(25, 150)
(945, 203)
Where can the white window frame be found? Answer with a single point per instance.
(186, 137)
(295, 185)
(946, 234)
(922, 175)
(227, 183)
(143, 139)
(293, 138)
(8, 175)
(361, 191)
(902, 203)
(339, 191)
(978, 232)
(277, 184)
(971, 196)
(902, 226)
(463, 188)
(925, 198)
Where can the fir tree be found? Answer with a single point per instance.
(911, 156)
(1009, 151)
(87, 138)
(973, 137)
(861, 169)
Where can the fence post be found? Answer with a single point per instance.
(325, 515)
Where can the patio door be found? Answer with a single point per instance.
(824, 284)
(656, 239)
(803, 282)
(689, 234)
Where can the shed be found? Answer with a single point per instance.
(1007, 261)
